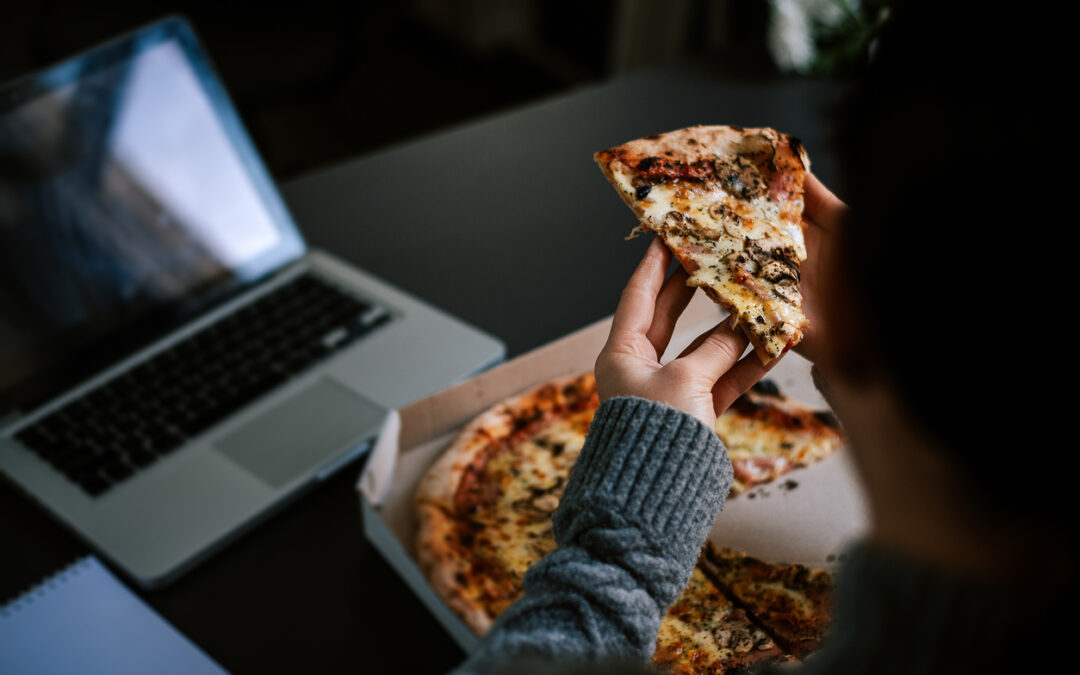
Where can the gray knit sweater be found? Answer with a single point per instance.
(635, 513)
(637, 508)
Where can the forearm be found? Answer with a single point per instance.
(639, 503)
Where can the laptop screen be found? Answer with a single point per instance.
(130, 199)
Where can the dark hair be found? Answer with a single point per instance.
(960, 169)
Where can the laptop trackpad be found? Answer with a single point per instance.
(302, 433)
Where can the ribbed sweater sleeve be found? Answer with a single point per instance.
(641, 498)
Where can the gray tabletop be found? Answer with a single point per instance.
(506, 223)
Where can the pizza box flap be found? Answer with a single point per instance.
(808, 516)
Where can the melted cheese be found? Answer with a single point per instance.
(720, 226)
(757, 219)
(749, 437)
(518, 526)
(704, 621)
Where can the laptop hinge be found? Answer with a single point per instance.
(295, 268)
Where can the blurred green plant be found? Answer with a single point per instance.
(824, 37)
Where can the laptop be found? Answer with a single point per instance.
(175, 362)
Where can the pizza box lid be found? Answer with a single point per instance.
(808, 516)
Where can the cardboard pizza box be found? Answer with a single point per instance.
(808, 516)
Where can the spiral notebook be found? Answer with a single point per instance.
(84, 620)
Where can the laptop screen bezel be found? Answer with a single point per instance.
(39, 387)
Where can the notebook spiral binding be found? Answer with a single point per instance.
(43, 587)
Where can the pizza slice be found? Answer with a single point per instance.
(703, 632)
(728, 202)
(767, 434)
(790, 602)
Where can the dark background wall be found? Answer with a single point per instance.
(318, 81)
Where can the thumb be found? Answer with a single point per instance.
(716, 350)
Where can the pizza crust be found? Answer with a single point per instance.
(440, 483)
(444, 567)
(700, 142)
(694, 144)
(440, 555)
(437, 529)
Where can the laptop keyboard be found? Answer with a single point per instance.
(110, 433)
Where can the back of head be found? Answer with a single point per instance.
(958, 167)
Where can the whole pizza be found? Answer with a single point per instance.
(484, 512)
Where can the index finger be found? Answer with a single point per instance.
(638, 300)
(820, 204)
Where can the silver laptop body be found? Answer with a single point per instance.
(220, 243)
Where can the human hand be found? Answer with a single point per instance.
(709, 374)
(823, 213)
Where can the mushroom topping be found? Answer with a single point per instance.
(757, 253)
(737, 639)
(722, 212)
(743, 644)
(740, 262)
(779, 272)
(686, 226)
(789, 292)
(734, 229)
(764, 641)
(777, 264)
(740, 178)
(674, 219)
(732, 222)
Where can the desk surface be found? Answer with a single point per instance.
(506, 223)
